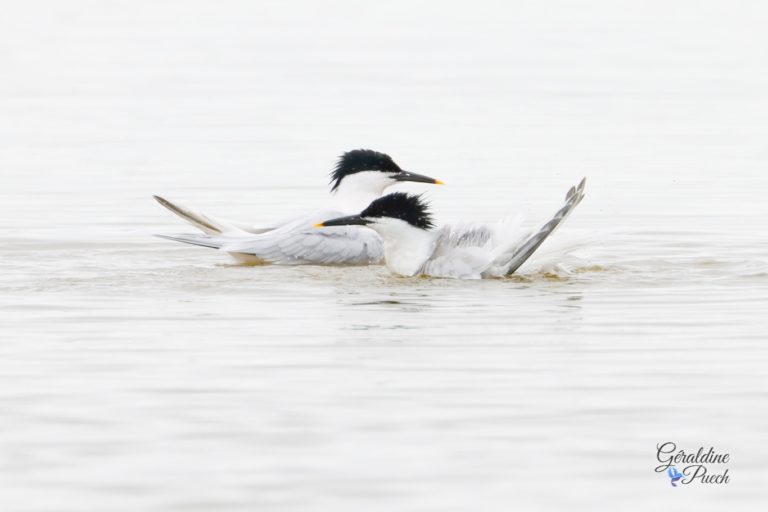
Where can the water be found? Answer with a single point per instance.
(136, 374)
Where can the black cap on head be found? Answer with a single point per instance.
(399, 205)
(359, 160)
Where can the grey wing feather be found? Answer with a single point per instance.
(207, 224)
(521, 255)
(327, 246)
(299, 243)
(474, 236)
(458, 236)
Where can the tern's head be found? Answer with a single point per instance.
(371, 171)
(388, 213)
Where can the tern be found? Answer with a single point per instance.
(414, 247)
(360, 176)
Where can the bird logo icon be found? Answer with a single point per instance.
(674, 475)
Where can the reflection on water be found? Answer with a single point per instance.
(136, 374)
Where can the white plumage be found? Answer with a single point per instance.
(296, 243)
(469, 251)
(359, 177)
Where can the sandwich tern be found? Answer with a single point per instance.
(359, 177)
(413, 246)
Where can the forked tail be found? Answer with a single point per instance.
(200, 239)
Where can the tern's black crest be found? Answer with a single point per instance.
(399, 205)
(359, 160)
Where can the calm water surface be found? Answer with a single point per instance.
(136, 374)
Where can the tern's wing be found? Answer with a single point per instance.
(342, 245)
(300, 243)
(452, 236)
(208, 224)
(521, 254)
(459, 251)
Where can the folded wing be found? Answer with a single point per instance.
(348, 245)
(298, 243)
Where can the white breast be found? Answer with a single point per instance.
(406, 248)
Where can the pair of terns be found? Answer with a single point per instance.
(361, 227)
